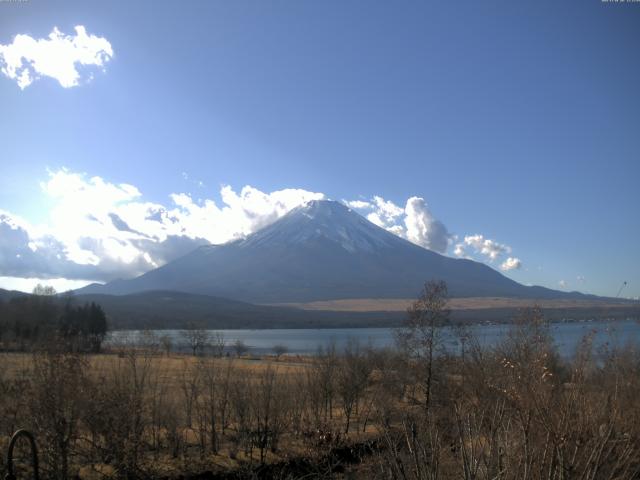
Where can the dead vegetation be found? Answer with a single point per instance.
(514, 411)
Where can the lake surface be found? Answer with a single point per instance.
(567, 336)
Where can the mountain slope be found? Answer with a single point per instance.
(6, 295)
(170, 309)
(321, 251)
(164, 309)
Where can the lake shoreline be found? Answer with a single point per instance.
(566, 334)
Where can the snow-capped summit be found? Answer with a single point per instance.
(321, 251)
(323, 220)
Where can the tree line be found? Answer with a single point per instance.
(32, 320)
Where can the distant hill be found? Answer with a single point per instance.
(322, 251)
(165, 309)
(6, 295)
(175, 310)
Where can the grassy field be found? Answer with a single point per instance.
(510, 411)
(179, 400)
(470, 303)
(169, 367)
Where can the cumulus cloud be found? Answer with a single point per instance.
(98, 230)
(563, 284)
(489, 250)
(242, 214)
(386, 210)
(511, 263)
(459, 250)
(357, 204)
(423, 229)
(59, 56)
(487, 247)
(27, 252)
(414, 222)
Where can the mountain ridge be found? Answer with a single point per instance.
(178, 310)
(322, 251)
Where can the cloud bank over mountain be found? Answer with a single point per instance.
(98, 231)
(414, 222)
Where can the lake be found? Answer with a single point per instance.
(567, 336)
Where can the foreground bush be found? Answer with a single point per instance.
(514, 411)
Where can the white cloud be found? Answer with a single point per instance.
(489, 249)
(99, 230)
(28, 284)
(375, 218)
(357, 204)
(397, 230)
(580, 279)
(383, 213)
(422, 228)
(388, 210)
(243, 213)
(58, 56)
(511, 263)
(484, 246)
(563, 284)
(414, 222)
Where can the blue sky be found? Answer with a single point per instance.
(516, 121)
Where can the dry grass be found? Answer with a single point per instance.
(511, 412)
(167, 376)
(469, 303)
(169, 367)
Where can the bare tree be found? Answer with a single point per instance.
(197, 339)
(353, 374)
(190, 387)
(240, 348)
(279, 350)
(325, 368)
(267, 412)
(56, 401)
(149, 341)
(117, 418)
(218, 344)
(167, 344)
(420, 337)
(211, 401)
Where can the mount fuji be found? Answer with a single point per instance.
(321, 251)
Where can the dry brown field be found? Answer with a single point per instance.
(170, 367)
(513, 411)
(469, 303)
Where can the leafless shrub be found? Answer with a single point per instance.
(196, 339)
(240, 348)
(279, 350)
(166, 342)
(352, 379)
(56, 401)
(218, 344)
(117, 417)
